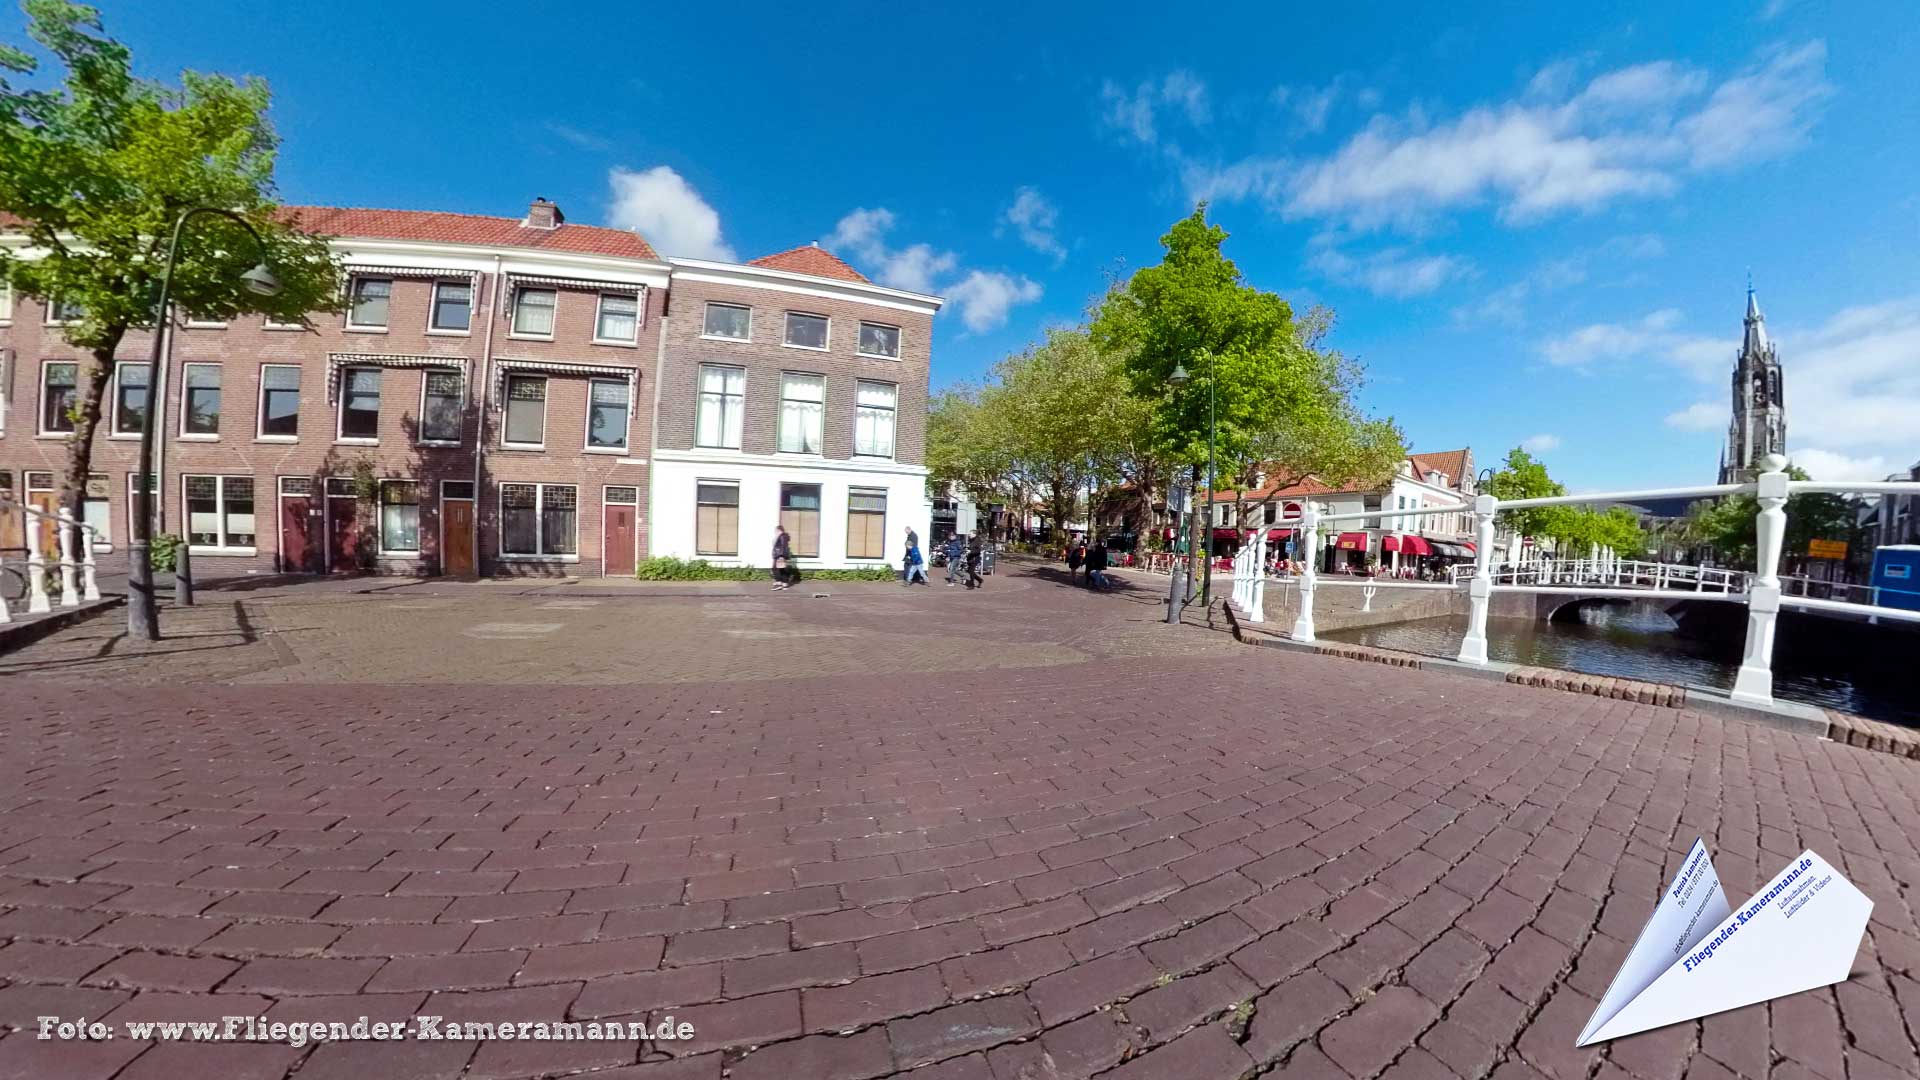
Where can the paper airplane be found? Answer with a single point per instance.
(1696, 956)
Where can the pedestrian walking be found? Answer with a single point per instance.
(1075, 556)
(956, 552)
(783, 571)
(974, 580)
(916, 564)
(1097, 567)
(906, 567)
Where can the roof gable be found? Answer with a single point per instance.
(813, 260)
(435, 226)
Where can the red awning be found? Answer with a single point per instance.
(1389, 543)
(1280, 534)
(1351, 542)
(1468, 544)
(1415, 545)
(1226, 534)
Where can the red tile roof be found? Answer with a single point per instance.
(441, 227)
(1451, 462)
(811, 259)
(1308, 486)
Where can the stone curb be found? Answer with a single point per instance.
(21, 632)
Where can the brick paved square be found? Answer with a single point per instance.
(1021, 832)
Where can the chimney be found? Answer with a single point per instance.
(544, 215)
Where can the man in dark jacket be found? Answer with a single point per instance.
(783, 571)
(1097, 566)
(973, 563)
(956, 550)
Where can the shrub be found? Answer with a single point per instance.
(668, 568)
(163, 551)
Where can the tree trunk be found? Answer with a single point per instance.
(73, 484)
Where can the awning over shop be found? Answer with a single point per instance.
(1451, 551)
(1351, 541)
(1280, 534)
(1415, 545)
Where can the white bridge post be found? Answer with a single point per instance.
(1310, 551)
(1473, 647)
(69, 569)
(1259, 611)
(37, 600)
(1754, 683)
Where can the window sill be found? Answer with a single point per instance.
(123, 436)
(401, 556)
(876, 356)
(800, 455)
(606, 451)
(805, 348)
(529, 337)
(204, 326)
(875, 457)
(364, 329)
(733, 340)
(54, 435)
(224, 552)
(616, 344)
(438, 444)
(196, 437)
(540, 558)
(449, 333)
(347, 441)
(281, 439)
(273, 326)
(727, 449)
(526, 448)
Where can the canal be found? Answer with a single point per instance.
(1639, 641)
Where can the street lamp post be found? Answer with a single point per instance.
(1206, 581)
(143, 617)
(1175, 601)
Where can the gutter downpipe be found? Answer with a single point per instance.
(653, 425)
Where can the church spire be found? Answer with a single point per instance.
(1755, 341)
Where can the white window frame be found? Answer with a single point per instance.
(899, 341)
(539, 517)
(711, 304)
(199, 436)
(893, 420)
(340, 410)
(220, 503)
(779, 417)
(6, 380)
(826, 346)
(40, 400)
(733, 483)
(103, 535)
(433, 308)
(699, 394)
(53, 305)
(885, 511)
(260, 409)
(599, 306)
(380, 515)
(6, 304)
(506, 403)
(353, 284)
(192, 323)
(133, 504)
(513, 315)
(626, 433)
(113, 399)
(267, 323)
(426, 375)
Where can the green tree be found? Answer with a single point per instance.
(1731, 524)
(95, 171)
(1522, 477)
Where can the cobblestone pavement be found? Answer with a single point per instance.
(1023, 844)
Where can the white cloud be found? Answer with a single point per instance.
(1540, 444)
(1311, 108)
(1034, 218)
(1394, 272)
(1699, 416)
(1138, 111)
(863, 233)
(1633, 132)
(665, 209)
(1506, 305)
(1651, 338)
(1827, 465)
(585, 140)
(983, 298)
(1853, 384)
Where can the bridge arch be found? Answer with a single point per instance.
(1566, 609)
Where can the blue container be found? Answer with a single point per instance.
(1896, 576)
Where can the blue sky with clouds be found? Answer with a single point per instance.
(1535, 222)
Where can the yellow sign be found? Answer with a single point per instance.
(1826, 549)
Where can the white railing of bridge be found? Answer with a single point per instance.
(78, 576)
(1760, 591)
(1604, 568)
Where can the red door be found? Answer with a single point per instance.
(619, 541)
(343, 535)
(296, 539)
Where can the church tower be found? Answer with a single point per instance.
(1759, 424)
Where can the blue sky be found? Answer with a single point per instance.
(1534, 223)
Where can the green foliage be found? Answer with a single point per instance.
(98, 167)
(1730, 525)
(668, 568)
(1245, 365)
(1521, 477)
(163, 552)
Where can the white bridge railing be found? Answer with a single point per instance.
(78, 577)
(1760, 591)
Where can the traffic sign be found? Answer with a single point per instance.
(1826, 549)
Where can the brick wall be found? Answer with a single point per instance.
(765, 358)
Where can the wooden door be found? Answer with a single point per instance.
(343, 535)
(297, 547)
(49, 503)
(620, 530)
(456, 537)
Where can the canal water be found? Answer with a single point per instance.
(1639, 641)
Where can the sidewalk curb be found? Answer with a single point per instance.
(14, 635)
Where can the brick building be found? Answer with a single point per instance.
(503, 396)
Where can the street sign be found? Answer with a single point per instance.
(1826, 549)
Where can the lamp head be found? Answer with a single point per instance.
(261, 280)
(1179, 376)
